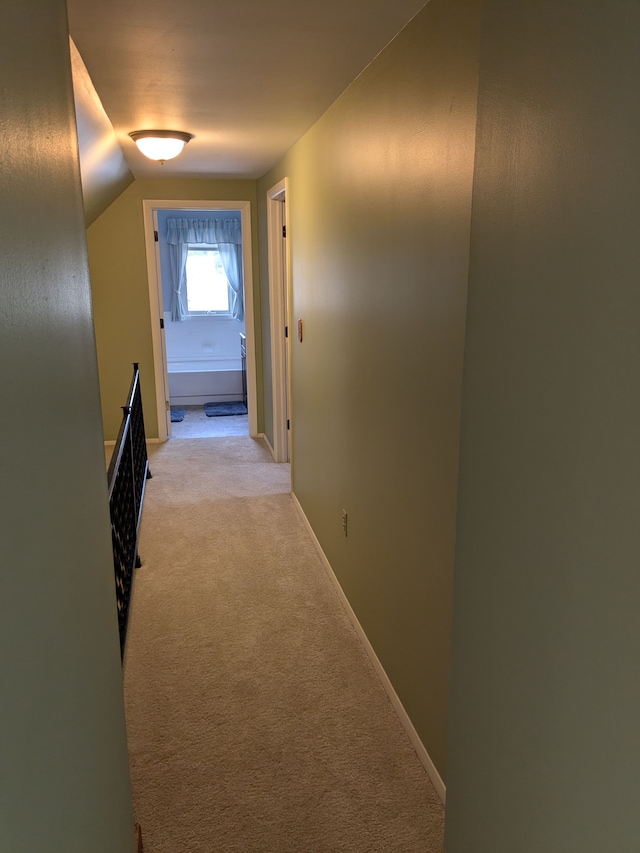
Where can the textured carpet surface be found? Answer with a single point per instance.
(256, 722)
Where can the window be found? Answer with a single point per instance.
(207, 286)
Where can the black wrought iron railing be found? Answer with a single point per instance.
(127, 476)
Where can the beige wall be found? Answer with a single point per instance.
(104, 173)
(64, 777)
(544, 746)
(119, 284)
(380, 205)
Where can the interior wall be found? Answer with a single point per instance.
(104, 173)
(380, 207)
(544, 747)
(64, 782)
(120, 288)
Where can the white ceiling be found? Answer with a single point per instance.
(246, 77)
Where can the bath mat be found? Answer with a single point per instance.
(177, 415)
(213, 410)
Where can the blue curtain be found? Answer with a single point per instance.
(226, 236)
(177, 267)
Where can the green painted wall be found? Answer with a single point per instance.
(104, 173)
(380, 207)
(119, 283)
(64, 777)
(544, 745)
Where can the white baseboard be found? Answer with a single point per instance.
(269, 447)
(404, 718)
(273, 453)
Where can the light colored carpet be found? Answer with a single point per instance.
(256, 722)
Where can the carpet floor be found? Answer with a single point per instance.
(256, 722)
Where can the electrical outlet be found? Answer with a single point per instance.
(344, 521)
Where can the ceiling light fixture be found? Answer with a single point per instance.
(160, 144)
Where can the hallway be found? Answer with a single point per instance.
(256, 722)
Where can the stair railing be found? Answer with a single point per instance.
(127, 475)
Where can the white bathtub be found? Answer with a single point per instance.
(197, 381)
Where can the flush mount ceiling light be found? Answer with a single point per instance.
(160, 144)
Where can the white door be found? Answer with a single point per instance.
(281, 332)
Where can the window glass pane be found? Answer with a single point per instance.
(207, 286)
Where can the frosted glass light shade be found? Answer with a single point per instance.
(160, 144)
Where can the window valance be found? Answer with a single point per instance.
(210, 231)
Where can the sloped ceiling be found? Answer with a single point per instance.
(246, 77)
(103, 170)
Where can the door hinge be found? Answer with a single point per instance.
(155, 236)
(167, 405)
(286, 331)
(162, 322)
(288, 424)
(284, 230)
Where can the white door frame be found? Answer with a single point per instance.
(279, 299)
(155, 303)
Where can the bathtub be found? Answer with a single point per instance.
(196, 381)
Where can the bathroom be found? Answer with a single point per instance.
(203, 337)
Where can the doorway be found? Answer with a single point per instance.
(193, 364)
(279, 300)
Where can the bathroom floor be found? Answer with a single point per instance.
(197, 425)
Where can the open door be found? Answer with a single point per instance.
(280, 319)
(162, 374)
(150, 208)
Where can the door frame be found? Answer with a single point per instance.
(155, 302)
(279, 315)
